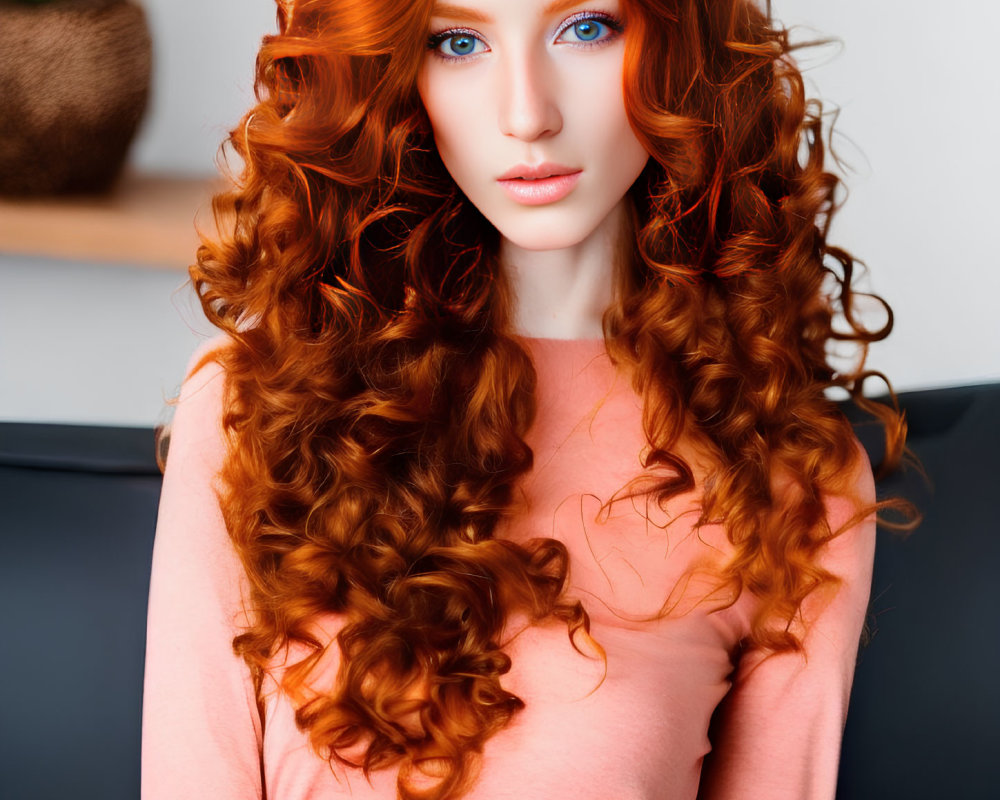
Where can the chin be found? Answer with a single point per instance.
(545, 232)
(541, 242)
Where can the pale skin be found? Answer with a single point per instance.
(509, 84)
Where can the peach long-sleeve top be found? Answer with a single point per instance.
(643, 733)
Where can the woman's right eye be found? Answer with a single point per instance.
(452, 44)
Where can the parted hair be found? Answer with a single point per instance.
(377, 398)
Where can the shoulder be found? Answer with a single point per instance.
(204, 376)
(192, 547)
(850, 508)
(848, 554)
(845, 486)
(852, 499)
(197, 418)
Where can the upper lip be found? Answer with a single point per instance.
(544, 170)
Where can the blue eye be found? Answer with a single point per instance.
(587, 29)
(461, 44)
(455, 44)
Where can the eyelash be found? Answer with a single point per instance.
(435, 40)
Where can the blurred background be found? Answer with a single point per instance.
(97, 323)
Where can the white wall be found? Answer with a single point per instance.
(917, 88)
(83, 342)
(918, 95)
(203, 63)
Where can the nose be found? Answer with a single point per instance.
(528, 106)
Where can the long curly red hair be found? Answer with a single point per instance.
(377, 399)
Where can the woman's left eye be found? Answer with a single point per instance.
(589, 29)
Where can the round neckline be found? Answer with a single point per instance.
(555, 341)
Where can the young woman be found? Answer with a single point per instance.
(514, 475)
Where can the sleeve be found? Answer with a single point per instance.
(201, 732)
(777, 733)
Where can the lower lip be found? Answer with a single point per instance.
(541, 191)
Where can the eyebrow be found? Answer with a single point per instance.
(460, 12)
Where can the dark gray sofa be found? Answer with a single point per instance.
(77, 513)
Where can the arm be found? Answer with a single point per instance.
(777, 734)
(201, 733)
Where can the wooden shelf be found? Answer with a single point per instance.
(148, 220)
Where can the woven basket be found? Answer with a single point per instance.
(74, 79)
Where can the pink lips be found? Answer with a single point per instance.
(540, 184)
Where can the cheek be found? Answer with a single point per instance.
(599, 109)
(453, 108)
(433, 94)
(451, 133)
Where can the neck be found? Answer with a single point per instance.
(563, 294)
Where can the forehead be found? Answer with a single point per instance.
(483, 10)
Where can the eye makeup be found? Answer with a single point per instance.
(469, 38)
